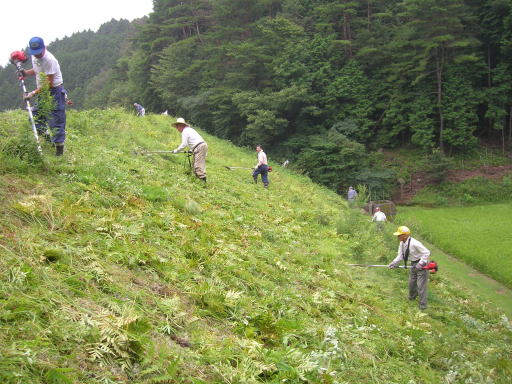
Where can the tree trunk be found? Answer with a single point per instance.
(439, 79)
(198, 33)
(510, 125)
(490, 126)
(503, 136)
(369, 14)
(347, 34)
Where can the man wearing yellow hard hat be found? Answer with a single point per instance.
(411, 249)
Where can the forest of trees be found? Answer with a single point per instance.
(322, 82)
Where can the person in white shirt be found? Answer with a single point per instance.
(261, 168)
(193, 140)
(44, 62)
(410, 248)
(379, 218)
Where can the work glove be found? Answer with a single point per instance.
(175, 151)
(21, 74)
(419, 266)
(29, 95)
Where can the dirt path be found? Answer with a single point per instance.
(420, 180)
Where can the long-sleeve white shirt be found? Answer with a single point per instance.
(262, 159)
(189, 138)
(417, 252)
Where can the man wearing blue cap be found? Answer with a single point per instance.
(44, 62)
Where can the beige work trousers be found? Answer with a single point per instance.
(200, 152)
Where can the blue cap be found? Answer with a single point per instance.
(35, 46)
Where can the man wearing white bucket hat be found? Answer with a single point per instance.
(193, 140)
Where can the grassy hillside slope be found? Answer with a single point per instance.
(119, 268)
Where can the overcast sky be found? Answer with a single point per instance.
(55, 19)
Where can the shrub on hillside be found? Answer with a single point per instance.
(437, 165)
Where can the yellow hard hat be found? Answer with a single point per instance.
(402, 230)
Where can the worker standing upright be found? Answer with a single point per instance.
(410, 248)
(44, 62)
(351, 196)
(379, 218)
(261, 168)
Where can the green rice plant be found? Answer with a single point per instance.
(478, 235)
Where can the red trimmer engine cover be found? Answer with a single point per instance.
(432, 267)
(18, 56)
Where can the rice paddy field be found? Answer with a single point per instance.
(478, 235)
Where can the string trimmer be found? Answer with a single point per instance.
(17, 58)
(432, 267)
(252, 169)
(238, 168)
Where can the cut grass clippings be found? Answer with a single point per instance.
(121, 268)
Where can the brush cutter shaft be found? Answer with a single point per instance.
(432, 266)
(19, 69)
(169, 152)
(238, 168)
(375, 265)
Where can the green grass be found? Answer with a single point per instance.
(121, 268)
(470, 192)
(471, 281)
(479, 235)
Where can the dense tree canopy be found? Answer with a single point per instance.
(431, 72)
(284, 73)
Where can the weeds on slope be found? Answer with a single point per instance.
(124, 269)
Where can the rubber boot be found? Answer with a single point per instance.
(59, 149)
(255, 179)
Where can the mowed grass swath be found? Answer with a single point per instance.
(121, 268)
(479, 235)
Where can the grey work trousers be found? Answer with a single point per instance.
(418, 285)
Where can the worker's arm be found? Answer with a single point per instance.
(184, 142)
(50, 78)
(398, 257)
(422, 251)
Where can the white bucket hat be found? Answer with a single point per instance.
(180, 120)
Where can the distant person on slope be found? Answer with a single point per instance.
(193, 140)
(261, 168)
(351, 196)
(379, 218)
(418, 254)
(140, 109)
(44, 62)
